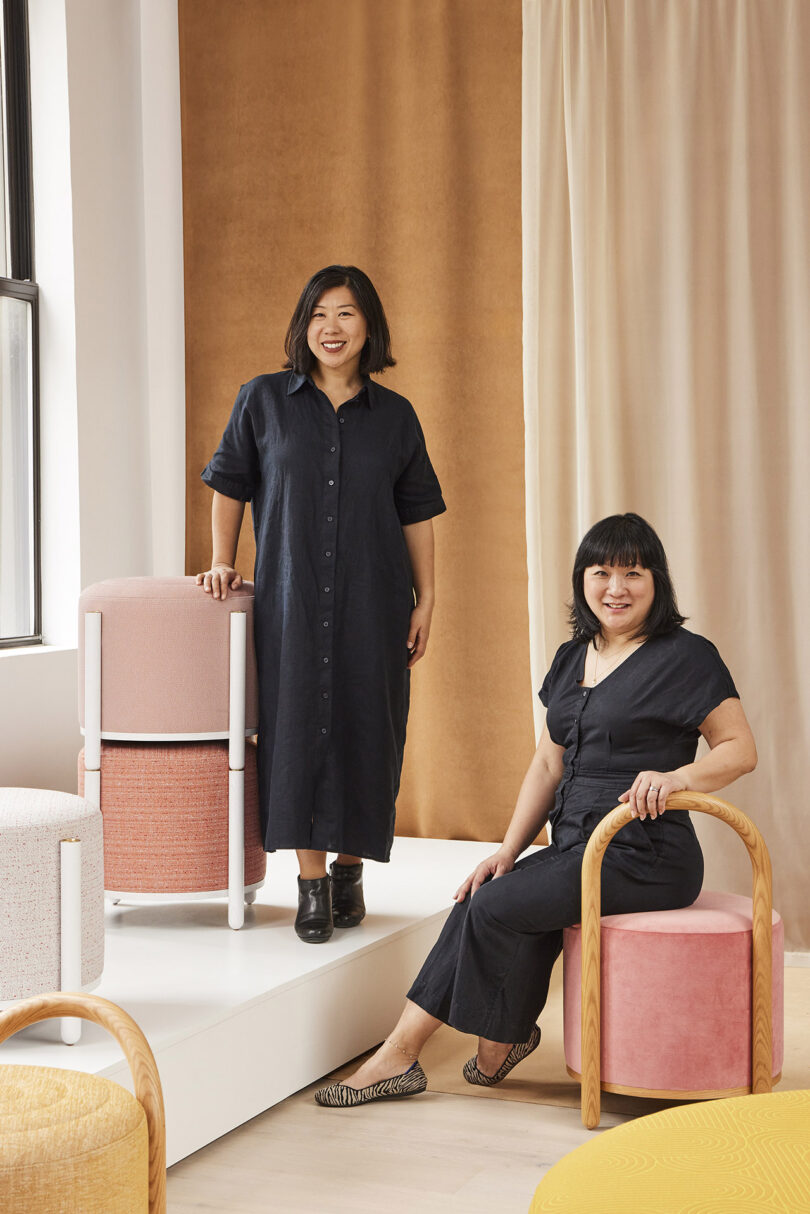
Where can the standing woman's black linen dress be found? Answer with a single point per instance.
(330, 492)
(489, 971)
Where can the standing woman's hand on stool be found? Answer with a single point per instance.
(649, 791)
(219, 579)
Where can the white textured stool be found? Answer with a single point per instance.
(51, 895)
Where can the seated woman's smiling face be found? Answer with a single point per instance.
(620, 596)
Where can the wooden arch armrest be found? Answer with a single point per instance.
(761, 1056)
(136, 1050)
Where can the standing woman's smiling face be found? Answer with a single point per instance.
(620, 596)
(337, 331)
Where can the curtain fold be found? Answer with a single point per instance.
(666, 221)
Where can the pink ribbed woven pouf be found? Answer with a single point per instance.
(165, 646)
(676, 998)
(165, 812)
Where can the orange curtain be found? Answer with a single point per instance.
(387, 135)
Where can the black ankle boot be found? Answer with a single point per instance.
(348, 907)
(313, 923)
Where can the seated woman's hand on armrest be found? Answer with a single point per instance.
(732, 753)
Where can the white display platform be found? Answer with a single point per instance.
(239, 1020)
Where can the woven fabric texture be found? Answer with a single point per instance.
(33, 821)
(165, 810)
(165, 647)
(694, 967)
(70, 1143)
(745, 1155)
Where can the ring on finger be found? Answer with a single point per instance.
(653, 788)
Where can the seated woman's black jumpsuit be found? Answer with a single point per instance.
(489, 971)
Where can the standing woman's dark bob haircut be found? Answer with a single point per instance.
(625, 540)
(376, 355)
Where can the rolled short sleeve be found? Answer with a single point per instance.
(233, 469)
(560, 671)
(702, 683)
(553, 674)
(417, 493)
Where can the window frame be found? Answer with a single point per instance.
(22, 285)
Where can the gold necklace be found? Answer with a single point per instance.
(615, 662)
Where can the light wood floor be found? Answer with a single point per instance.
(425, 1155)
(437, 1152)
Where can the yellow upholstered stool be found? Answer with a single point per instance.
(744, 1155)
(72, 1143)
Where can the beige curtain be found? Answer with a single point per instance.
(666, 208)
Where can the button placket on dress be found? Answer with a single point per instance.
(326, 569)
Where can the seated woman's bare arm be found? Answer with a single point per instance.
(732, 753)
(534, 804)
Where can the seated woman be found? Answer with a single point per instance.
(628, 698)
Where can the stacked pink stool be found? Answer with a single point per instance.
(167, 698)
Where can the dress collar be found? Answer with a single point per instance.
(367, 393)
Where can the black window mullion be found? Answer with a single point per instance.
(18, 136)
(20, 226)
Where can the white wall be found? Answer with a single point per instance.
(107, 186)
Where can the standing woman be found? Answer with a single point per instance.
(343, 493)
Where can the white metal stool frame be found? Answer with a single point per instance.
(238, 893)
(70, 934)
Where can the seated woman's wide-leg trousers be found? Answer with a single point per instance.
(489, 971)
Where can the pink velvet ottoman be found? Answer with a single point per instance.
(165, 813)
(165, 658)
(676, 999)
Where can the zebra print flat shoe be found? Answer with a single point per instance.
(341, 1096)
(517, 1053)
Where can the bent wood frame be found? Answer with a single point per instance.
(138, 1054)
(761, 1007)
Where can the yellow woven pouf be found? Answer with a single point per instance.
(744, 1155)
(70, 1142)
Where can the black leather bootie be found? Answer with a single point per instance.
(313, 923)
(348, 907)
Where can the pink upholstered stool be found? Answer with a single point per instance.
(685, 1004)
(165, 812)
(162, 661)
(165, 668)
(676, 999)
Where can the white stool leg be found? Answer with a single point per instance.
(70, 930)
(92, 707)
(236, 775)
(250, 897)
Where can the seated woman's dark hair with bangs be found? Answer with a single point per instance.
(626, 540)
(376, 355)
